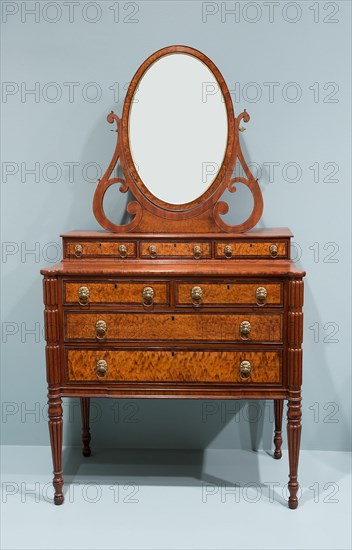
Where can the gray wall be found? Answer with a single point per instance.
(290, 68)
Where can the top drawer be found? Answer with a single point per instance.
(245, 249)
(116, 292)
(215, 294)
(97, 249)
(163, 249)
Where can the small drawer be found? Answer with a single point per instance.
(105, 327)
(229, 294)
(95, 249)
(216, 367)
(228, 249)
(157, 249)
(116, 292)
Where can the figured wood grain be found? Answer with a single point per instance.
(178, 366)
(161, 326)
(227, 293)
(175, 249)
(99, 248)
(250, 249)
(119, 292)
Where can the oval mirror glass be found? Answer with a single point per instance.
(178, 128)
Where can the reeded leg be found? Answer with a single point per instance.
(85, 406)
(55, 430)
(278, 410)
(294, 426)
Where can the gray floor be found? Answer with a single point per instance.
(177, 500)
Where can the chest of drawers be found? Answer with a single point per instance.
(174, 300)
(194, 317)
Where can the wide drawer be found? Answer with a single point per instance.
(158, 249)
(220, 367)
(230, 294)
(164, 326)
(115, 292)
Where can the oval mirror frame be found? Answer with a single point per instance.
(214, 191)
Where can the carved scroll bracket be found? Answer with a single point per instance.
(133, 207)
(222, 207)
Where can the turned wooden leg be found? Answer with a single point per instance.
(278, 410)
(55, 430)
(85, 406)
(294, 425)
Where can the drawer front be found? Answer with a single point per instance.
(157, 249)
(114, 292)
(220, 367)
(228, 249)
(95, 249)
(213, 294)
(163, 326)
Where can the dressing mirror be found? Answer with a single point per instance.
(178, 144)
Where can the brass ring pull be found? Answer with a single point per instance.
(260, 296)
(148, 295)
(228, 251)
(245, 330)
(78, 250)
(83, 295)
(102, 368)
(273, 250)
(123, 250)
(153, 251)
(245, 370)
(197, 251)
(196, 295)
(100, 329)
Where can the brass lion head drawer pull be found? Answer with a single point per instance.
(273, 250)
(83, 295)
(245, 370)
(245, 330)
(197, 251)
(228, 251)
(123, 250)
(260, 295)
(78, 250)
(148, 295)
(100, 329)
(153, 251)
(196, 295)
(102, 368)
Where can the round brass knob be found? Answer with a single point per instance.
(153, 251)
(78, 250)
(245, 330)
(245, 370)
(83, 295)
(123, 250)
(197, 251)
(148, 295)
(100, 329)
(102, 368)
(273, 250)
(260, 295)
(228, 251)
(196, 294)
